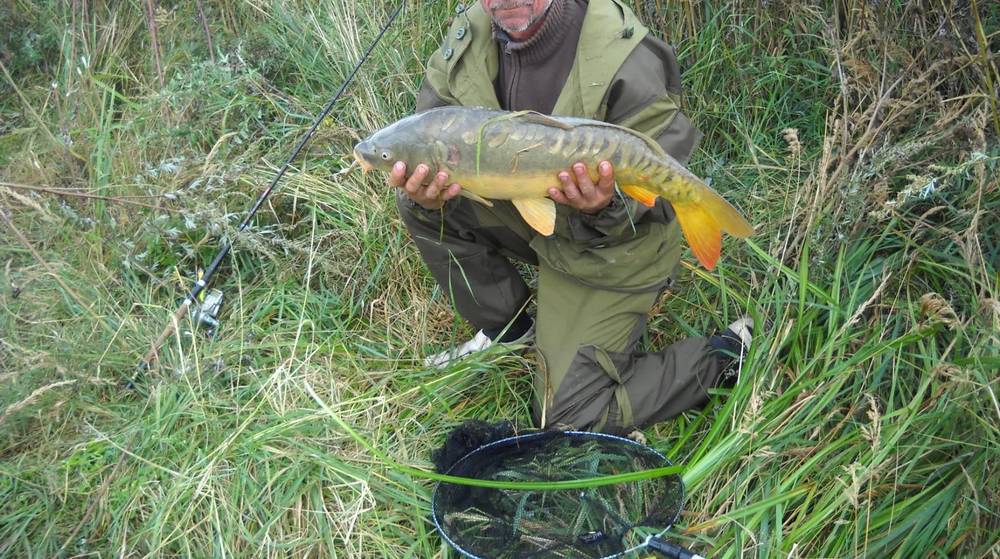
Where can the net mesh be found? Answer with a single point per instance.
(589, 523)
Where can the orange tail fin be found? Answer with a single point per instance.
(701, 231)
(704, 221)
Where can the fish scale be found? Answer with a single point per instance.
(518, 156)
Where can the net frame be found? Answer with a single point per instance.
(506, 441)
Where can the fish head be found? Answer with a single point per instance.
(376, 153)
(404, 140)
(367, 155)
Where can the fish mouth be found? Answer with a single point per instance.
(365, 165)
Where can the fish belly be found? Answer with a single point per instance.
(510, 186)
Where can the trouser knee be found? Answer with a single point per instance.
(589, 395)
(617, 392)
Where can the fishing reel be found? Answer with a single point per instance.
(206, 314)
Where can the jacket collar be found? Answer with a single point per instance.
(612, 31)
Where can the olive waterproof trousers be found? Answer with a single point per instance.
(592, 303)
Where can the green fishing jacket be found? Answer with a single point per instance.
(463, 69)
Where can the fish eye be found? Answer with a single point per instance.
(385, 155)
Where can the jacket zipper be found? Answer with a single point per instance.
(514, 77)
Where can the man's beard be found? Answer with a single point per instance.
(509, 4)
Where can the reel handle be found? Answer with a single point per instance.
(672, 551)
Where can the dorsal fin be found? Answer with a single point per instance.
(536, 117)
(653, 145)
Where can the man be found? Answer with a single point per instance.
(610, 258)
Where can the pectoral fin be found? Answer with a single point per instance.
(646, 197)
(475, 197)
(540, 213)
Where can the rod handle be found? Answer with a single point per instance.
(154, 348)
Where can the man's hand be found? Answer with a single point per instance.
(580, 192)
(431, 194)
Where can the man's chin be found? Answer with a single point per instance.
(515, 19)
(519, 20)
(514, 24)
(512, 30)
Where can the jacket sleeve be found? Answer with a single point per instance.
(428, 98)
(645, 95)
(433, 93)
(434, 90)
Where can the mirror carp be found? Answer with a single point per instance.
(517, 156)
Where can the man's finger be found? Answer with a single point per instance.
(436, 185)
(453, 190)
(398, 174)
(572, 193)
(583, 181)
(558, 196)
(569, 190)
(416, 180)
(606, 179)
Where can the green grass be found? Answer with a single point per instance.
(865, 422)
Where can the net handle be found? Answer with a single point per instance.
(669, 550)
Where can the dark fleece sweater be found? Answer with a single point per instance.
(533, 72)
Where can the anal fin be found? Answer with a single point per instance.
(539, 213)
(643, 195)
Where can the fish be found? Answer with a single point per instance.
(517, 156)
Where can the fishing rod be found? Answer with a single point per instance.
(211, 307)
